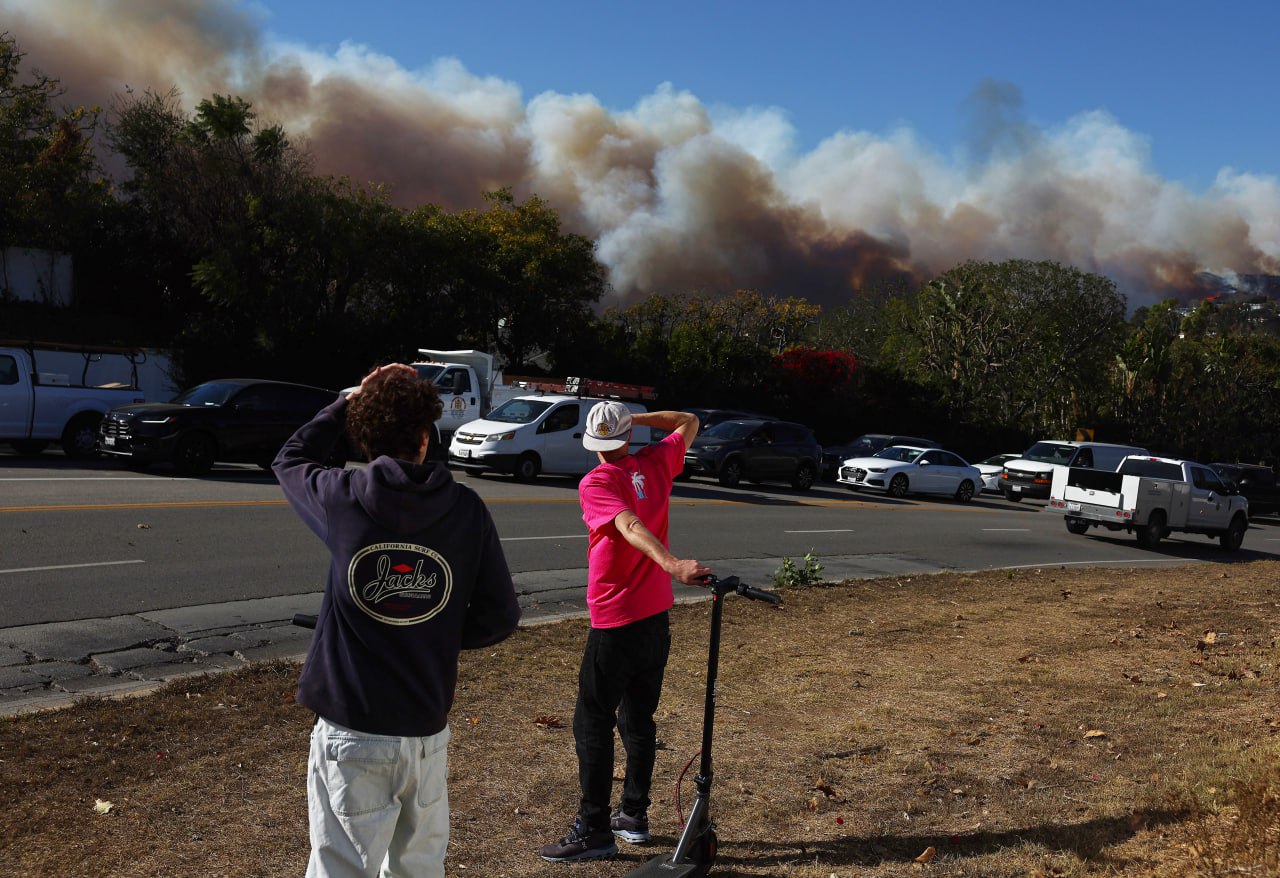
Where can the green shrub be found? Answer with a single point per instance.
(791, 574)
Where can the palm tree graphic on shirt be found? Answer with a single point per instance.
(637, 482)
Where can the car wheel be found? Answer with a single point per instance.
(1150, 534)
(194, 454)
(898, 486)
(80, 438)
(1233, 536)
(527, 467)
(803, 479)
(964, 493)
(731, 473)
(29, 447)
(1013, 498)
(1077, 525)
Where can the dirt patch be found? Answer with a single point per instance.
(1052, 722)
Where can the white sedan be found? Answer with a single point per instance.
(991, 469)
(904, 469)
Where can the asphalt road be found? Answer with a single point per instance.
(93, 540)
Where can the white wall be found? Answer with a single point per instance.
(42, 276)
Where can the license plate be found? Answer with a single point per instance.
(1017, 489)
(1073, 507)
(108, 440)
(466, 452)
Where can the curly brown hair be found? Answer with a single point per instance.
(390, 414)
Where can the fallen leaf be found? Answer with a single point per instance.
(927, 857)
(1095, 733)
(102, 806)
(549, 722)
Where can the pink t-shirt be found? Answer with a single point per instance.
(623, 584)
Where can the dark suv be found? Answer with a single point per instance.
(1256, 483)
(233, 419)
(758, 451)
(865, 446)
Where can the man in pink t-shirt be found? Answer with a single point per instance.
(625, 503)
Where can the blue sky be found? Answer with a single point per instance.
(1197, 80)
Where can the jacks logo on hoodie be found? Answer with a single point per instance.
(399, 583)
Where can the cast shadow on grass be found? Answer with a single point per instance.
(1088, 841)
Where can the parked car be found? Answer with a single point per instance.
(1256, 483)
(904, 469)
(708, 418)
(756, 450)
(865, 446)
(991, 469)
(237, 420)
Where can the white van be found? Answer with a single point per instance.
(1032, 474)
(528, 435)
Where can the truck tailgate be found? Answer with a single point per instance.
(1094, 487)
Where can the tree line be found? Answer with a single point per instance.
(215, 239)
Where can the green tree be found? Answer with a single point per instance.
(536, 281)
(1025, 344)
(51, 188)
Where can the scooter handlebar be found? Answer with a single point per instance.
(731, 583)
(758, 594)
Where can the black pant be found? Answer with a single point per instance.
(621, 675)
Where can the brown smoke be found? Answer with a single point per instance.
(678, 201)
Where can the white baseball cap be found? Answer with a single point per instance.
(608, 427)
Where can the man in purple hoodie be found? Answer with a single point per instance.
(416, 574)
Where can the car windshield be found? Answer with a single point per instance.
(518, 411)
(428, 371)
(729, 430)
(1050, 452)
(996, 459)
(899, 452)
(861, 448)
(212, 393)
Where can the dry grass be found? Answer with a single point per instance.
(1045, 722)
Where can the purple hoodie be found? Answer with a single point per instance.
(416, 574)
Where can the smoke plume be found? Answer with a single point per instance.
(678, 199)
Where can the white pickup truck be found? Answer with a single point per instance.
(1152, 497)
(39, 406)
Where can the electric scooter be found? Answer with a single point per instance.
(696, 850)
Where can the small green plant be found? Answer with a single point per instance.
(792, 574)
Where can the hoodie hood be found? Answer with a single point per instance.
(405, 497)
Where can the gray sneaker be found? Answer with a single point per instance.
(633, 830)
(580, 844)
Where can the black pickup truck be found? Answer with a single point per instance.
(1255, 483)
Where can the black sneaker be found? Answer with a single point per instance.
(580, 844)
(633, 830)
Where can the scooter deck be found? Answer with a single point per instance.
(662, 867)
